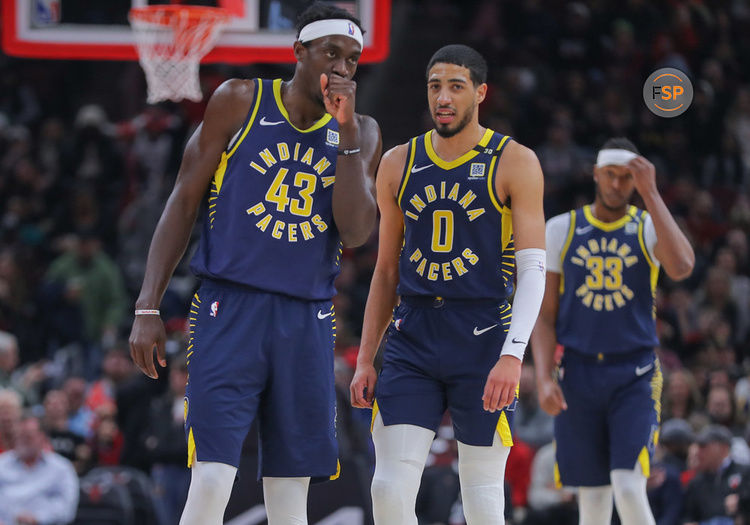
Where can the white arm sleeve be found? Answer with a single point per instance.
(557, 232)
(530, 263)
(649, 237)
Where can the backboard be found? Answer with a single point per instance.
(99, 29)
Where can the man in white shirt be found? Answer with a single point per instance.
(37, 487)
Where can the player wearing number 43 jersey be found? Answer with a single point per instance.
(602, 267)
(461, 221)
(285, 170)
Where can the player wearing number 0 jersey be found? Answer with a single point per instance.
(285, 173)
(461, 220)
(603, 262)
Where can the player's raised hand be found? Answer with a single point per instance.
(339, 95)
(502, 381)
(644, 174)
(148, 332)
(551, 398)
(362, 389)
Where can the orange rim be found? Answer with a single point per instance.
(164, 14)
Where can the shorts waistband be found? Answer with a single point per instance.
(221, 284)
(429, 301)
(601, 357)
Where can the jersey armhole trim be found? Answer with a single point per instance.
(491, 176)
(254, 112)
(407, 170)
(654, 274)
(564, 251)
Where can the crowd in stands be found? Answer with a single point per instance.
(85, 170)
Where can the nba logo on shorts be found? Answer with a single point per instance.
(214, 309)
(397, 324)
(477, 170)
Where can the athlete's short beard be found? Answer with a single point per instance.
(604, 204)
(447, 132)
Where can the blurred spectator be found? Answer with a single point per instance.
(720, 490)
(106, 442)
(37, 487)
(10, 416)
(531, 424)
(547, 502)
(682, 399)
(675, 437)
(55, 423)
(80, 418)
(8, 358)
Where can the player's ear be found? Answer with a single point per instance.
(300, 50)
(596, 174)
(481, 92)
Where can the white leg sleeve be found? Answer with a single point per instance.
(481, 471)
(630, 497)
(595, 505)
(210, 487)
(286, 500)
(400, 455)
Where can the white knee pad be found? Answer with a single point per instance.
(595, 505)
(286, 500)
(630, 497)
(481, 471)
(210, 487)
(400, 455)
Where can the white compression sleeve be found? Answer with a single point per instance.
(481, 471)
(631, 499)
(210, 487)
(286, 500)
(595, 505)
(400, 455)
(530, 269)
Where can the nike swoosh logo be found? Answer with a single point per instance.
(264, 122)
(321, 315)
(414, 169)
(640, 370)
(477, 331)
(516, 341)
(584, 229)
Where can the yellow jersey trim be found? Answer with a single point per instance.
(409, 164)
(375, 410)
(460, 160)
(609, 226)
(338, 471)
(258, 96)
(491, 177)
(503, 430)
(556, 475)
(277, 95)
(225, 156)
(645, 462)
(654, 267)
(191, 448)
(568, 240)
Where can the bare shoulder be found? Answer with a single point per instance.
(392, 167)
(230, 103)
(519, 156)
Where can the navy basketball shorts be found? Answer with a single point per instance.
(437, 356)
(255, 354)
(612, 420)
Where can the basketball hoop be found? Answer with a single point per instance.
(171, 41)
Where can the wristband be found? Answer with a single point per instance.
(147, 312)
(349, 151)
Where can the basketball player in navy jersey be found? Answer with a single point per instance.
(461, 216)
(286, 172)
(603, 263)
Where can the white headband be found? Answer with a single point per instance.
(614, 157)
(332, 26)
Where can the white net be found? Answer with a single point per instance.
(171, 42)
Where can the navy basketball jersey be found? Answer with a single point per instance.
(607, 286)
(270, 219)
(458, 239)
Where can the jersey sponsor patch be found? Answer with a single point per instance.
(332, 137)
(476, 171)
